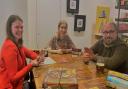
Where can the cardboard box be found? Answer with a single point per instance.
(60, 78)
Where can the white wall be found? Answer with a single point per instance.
(32, 23)
(40, 20)
(46, 20)
(9, 7)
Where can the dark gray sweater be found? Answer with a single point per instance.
(114, 56)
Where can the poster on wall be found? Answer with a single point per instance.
(102, 17)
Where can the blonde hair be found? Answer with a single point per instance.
(62, 22)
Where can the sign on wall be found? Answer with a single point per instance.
(102, 16)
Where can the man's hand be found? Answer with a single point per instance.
(88, 54)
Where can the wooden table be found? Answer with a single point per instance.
(86, 73)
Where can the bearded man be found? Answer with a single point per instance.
(111, 49)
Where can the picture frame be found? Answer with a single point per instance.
(79, 23)
(72, 6)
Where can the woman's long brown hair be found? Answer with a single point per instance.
(10, 36)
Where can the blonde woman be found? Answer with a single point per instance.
(61, 40)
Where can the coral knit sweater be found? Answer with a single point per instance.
(4, 79)
(15, 59)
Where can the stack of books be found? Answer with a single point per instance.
(123, 26)
(117, 80)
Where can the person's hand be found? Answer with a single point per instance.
(34, 63)
(40, 59)
(41, 56)
(88, 53)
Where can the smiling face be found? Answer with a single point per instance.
(17, 29)
(62, 28)
(109, 33)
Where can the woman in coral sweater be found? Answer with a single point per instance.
(14, 53)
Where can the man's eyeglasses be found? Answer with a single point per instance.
(108, 32)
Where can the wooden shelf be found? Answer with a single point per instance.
(122, 27)
(126, 36)
(123, 31)
(122, 7)
(98, 34)
(122, 19)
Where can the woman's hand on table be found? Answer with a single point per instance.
(34, 63)
(40, 58)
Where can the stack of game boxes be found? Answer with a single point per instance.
(117, 80)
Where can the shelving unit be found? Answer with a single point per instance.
(122, 22)
(122, 19)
